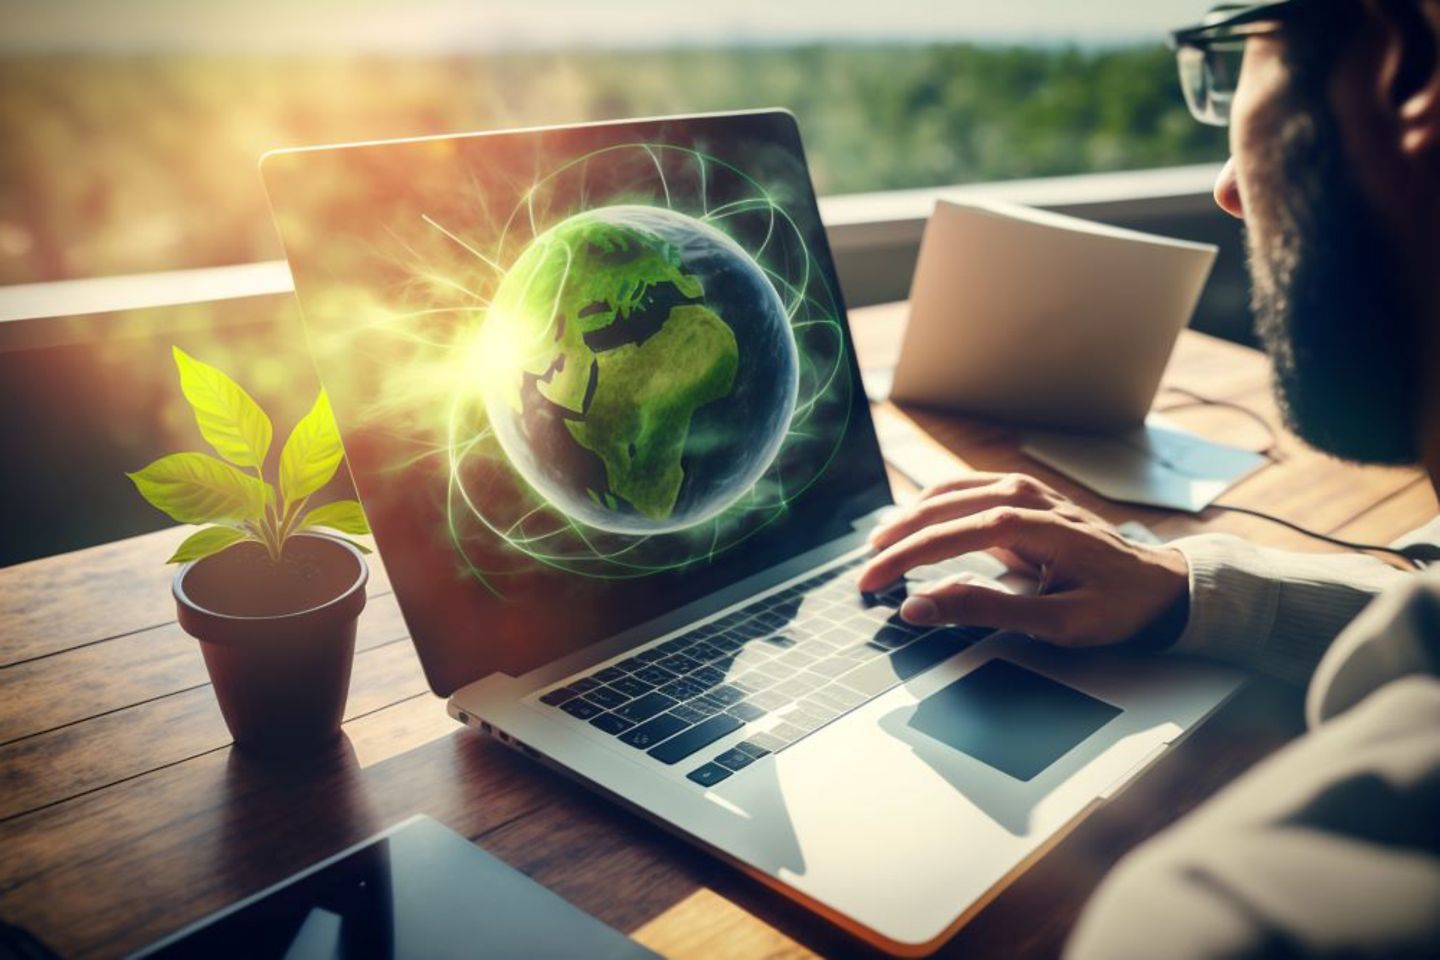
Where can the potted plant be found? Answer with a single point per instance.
(273, 601)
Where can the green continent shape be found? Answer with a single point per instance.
(647, 394)
(580, 276)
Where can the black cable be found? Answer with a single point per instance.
(1417, 559)
(1271, 450)
(1412, 561)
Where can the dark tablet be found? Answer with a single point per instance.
(416, 890)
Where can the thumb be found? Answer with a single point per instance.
(968, 603)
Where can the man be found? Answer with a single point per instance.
(1332, 847)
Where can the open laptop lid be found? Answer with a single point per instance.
(586, 375)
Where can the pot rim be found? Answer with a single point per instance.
(363, 576)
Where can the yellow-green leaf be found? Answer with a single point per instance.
(343, 515)
(229, 420)
(197, 488)
(206, 543)
(312, 453)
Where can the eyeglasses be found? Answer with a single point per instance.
(1209, 55)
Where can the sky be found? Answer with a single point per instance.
(401, 26)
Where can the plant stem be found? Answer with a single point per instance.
(273, 545)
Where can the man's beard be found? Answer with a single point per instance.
(1327, 295)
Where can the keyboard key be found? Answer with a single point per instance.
(924, 654)
(678, 663)
(734, 760)
(645, 707)
(630, 664)
(708, 676)
(707, 707)
(768, 700)
(796, 658)
(832, 667)
(583, 684)
(807, 719)
(609, 674)
(690, 714)
(654, 675)
(787, 733)
(751, 682)
(873, 678)
(651, 656)
(696, 738)
(862, 652)
(753, 748)
(842, 696)
(704, 652)
(892, 638)
(580, 708)
(606, 697)
(773, 672)
(708, 775)
(653, 731)
(725, 695)
(773, 620)
(763, 741)
(746, 711)
(611, 724)
(966, 635)
(827, 697)
(675, 645)
(683, 689)
(632, 687)
(558, 696)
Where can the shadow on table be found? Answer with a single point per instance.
(281, 815)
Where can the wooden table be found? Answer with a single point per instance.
(124, 813)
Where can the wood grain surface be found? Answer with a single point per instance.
(124, 812)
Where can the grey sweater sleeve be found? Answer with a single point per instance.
(1273, 610)
(1330, 848)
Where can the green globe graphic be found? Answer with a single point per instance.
(640, 370)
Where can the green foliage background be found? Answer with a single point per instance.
(128, 164)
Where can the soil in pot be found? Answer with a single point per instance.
(244, 582)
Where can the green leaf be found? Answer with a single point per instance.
(229, 420)
(312, 453)
(343, 515)
(207, 542)
(197, 488)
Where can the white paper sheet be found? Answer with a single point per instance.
(1157, 465)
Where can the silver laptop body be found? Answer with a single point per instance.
(695, 649)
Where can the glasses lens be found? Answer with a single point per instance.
(1222, 75)
(1209, 75)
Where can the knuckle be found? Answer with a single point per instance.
(1022, 487)
(1002, 519)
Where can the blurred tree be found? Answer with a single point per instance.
(129, 164)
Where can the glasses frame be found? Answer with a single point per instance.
(1226, 28)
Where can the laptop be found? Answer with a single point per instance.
(1083, 348)
(600, 402)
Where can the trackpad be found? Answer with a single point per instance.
(1011, 718)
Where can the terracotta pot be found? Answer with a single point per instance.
(278, 639)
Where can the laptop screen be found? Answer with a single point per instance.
(586, 375)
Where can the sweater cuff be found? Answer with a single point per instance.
(1233, 599)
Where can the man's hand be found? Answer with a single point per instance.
(1096, 587)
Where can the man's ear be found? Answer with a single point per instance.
(1410, 78)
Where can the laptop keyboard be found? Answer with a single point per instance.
(779, 669)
